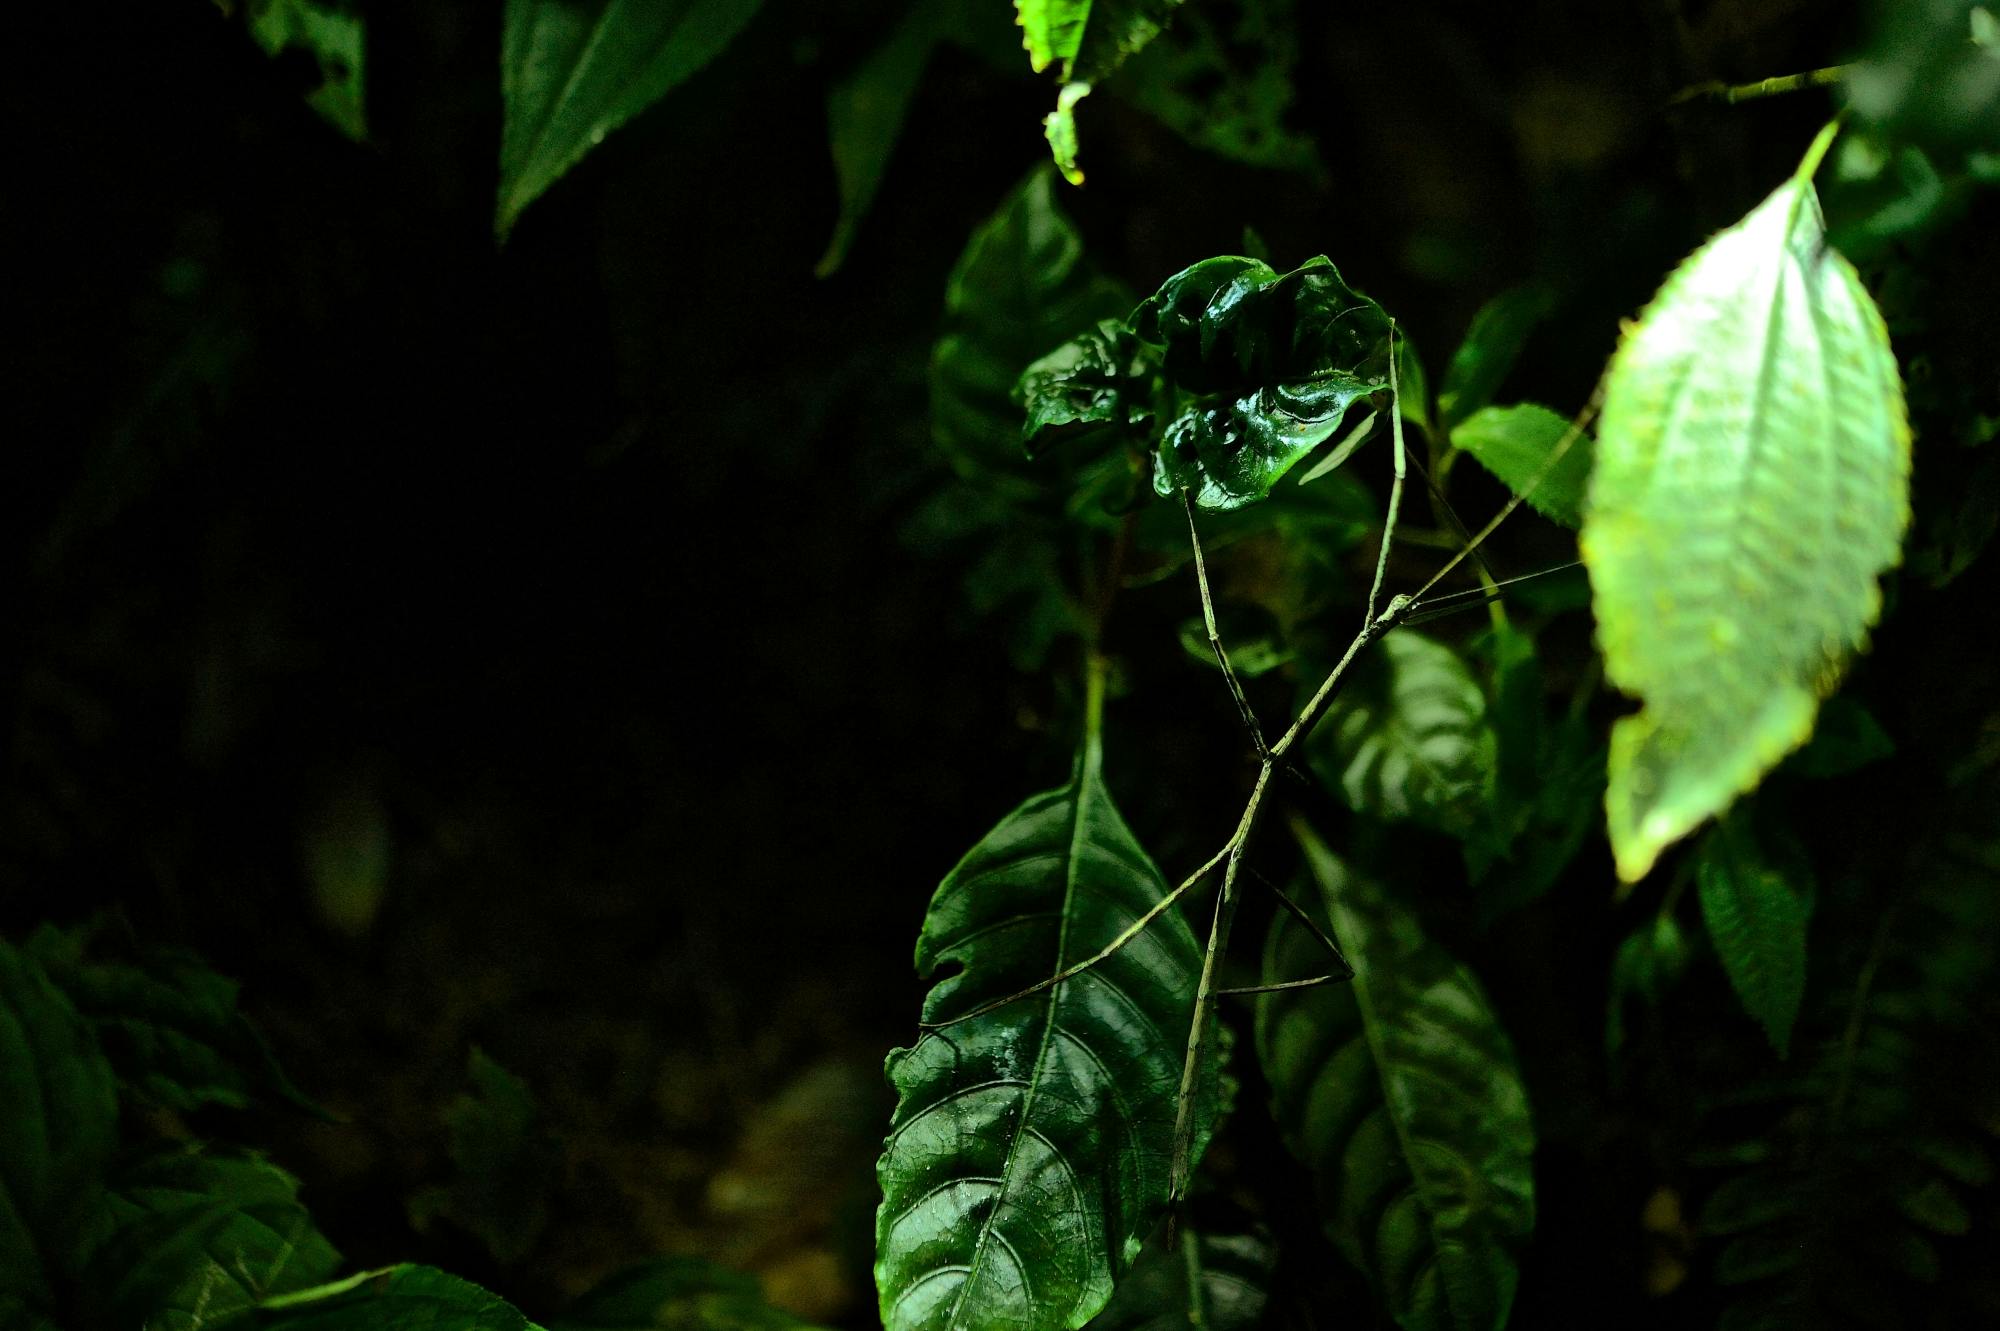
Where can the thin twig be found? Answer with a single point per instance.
(1279, 986)
(1395, 485)
(1303, 916)
(1732, 93)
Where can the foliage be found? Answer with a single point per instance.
(1006, 1109)
(1400, 1093)
(1759, 385)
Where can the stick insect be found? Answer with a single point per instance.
(1379, 619)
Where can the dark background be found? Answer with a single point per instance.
(566, 582)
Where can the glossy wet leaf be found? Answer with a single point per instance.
(169, 1025)
(1030, 1152)
(1408, 738)
(1266, 366)
(1400, 1093)
(1515, 444)
(573, 71)
(1196, 1282)
(199, 1238)
(1756, 918)
(1022, 288)
(676, 1294)
(333, 36)
(1751, 483)
(397, 1296)
(60, 1117)
(1491, 346)
(1105, 377)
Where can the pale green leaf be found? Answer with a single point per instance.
(1757, 921)
(1751, 483)
(1408, 737)
(1030, 1152)
(1515, 444)
(333, 35)
(1400, 1093)
(573, 71)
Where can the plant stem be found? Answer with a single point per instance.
(1732, 93)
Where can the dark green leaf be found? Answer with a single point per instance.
(1846, 739)
(1929, 79)
(676, 1294)
(1106, 377)
(573, 71)
(60, 1118)
(1021, 289)
(505, 1160)
(1490, 348)
(1399, 1091)
(1753, 409)
(1408, 737)
(1224, 83)
(1268, 366)
(170, 1025)
(1031, 1147)
(1646, 965)
(407, 1298)
(200, 1238)
(865, 113)
(1757, 921)
(335, 38)
(1198, 1282)
(1515, 443)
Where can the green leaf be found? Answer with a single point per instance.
(1408, 737)
(169, 1025)
(1225, 84)
(1267, 366)
(1514, 443)
(1031, 1147)
(408, 1298)
(1021, 289)
(200, 1238)
(1751, 483)
(1085, 40)
(1199, 1282)
(1400, 1093)
(865, 113)
(676, 1294)
(335, 38)
(1757, 921)
(1106, 377)
(61, 1119)
(505, 1160)
(1088, 39)
(1647, 964)
(1846, 739)
(573, 71)
(1491, 346)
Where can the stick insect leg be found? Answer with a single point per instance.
(1215, 638)
(1126, 935)
(1304, 917)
